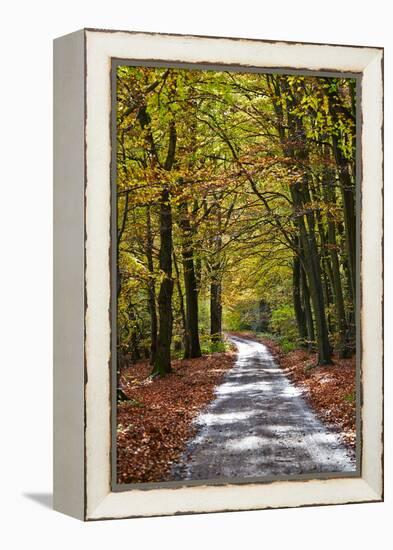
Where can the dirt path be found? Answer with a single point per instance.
(259, 425)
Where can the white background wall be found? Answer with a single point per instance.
(28, 28)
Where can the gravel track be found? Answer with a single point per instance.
(259, 425)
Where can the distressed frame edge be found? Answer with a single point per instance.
(373, 131)
(375, 490)
(69, 489)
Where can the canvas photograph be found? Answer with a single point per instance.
(236, 275)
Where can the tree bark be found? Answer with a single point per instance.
(162, 361)
(343, 350)
(311, 262)
(186, 338)
(215, 312)
(215, 283)
(151, 289)
(347, 188)
(118, 241)
(335, 276)
(313, 272)
(190, 282)
(297, 301)
(307, 310)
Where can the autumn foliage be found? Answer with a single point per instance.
(236, 210)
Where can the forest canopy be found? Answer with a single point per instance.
(235, 211)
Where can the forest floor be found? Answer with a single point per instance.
(330, 390)
(256, 413)
(156, 423)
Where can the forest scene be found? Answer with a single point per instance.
(236, 274)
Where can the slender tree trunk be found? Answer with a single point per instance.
(151, 289)
(215, 311)
(186, 335)
(215, 284)
(347, 188)
(347, 191)
(198, 273)
(326, 268)
(338, 294)
(162, 360)
(135, 330)
(118, 241)
(301, 197)
(327, 290)
(335, 276)
(190, 282)
(297, 301)
(313, 271)
(191, 303)
(153, 320)
(307, 310)
(311, 264)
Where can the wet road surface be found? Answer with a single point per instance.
(259, 425)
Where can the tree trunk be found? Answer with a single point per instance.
(313, 272)
(347, 192)
(335, 276)
(215, 284)
(311, 264)
(151, 289)
(191, 303)
(307, 310)
(297, 301)
(162, 360)
(190, 282)
(327, 286)
(338, 294)
(215, 311)
(186, 335)
(311, 261)
(347, 188)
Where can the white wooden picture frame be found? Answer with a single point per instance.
(82, 257)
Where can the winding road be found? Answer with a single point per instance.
(259, 425)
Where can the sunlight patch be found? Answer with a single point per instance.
(247, 443)
(225, 418)
(230, 388)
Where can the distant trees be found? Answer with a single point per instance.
(234, 190)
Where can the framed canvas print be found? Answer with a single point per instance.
(218, 274)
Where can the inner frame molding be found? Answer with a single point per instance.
(357, 76)
(90, 436)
